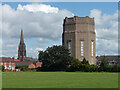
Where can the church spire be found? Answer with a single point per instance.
(22, 47)
(22, 39)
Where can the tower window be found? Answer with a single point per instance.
(92, 48)
(69, 46)
(82, 48)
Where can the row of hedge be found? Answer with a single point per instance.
(85, 67)
(93, 68)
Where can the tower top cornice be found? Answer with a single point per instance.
(79, 20)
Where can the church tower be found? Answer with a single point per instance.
(80, 38)
(21, 48)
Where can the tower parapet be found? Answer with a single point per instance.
(78, 20)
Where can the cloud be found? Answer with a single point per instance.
(44, 23)
(37, 20)
(33, 52)
(106, 32)
(38, 49)
(9, 47)
(38, 8)
(40, 22)
(43, 40)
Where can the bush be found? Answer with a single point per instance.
(75, 65)
(3, 68)
(23, 68)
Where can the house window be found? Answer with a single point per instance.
(9, 65)
(69, 46)
(12, 67)
(92, 48)
(82, 48)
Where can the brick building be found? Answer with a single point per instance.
(80, 38)
(8, 63)
(12, 63)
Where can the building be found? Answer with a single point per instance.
(38, 64)
(8, 63)
(21, 48)
(80, 38)
(111, 59)
(12, 63)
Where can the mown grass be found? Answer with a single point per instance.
(59, 80)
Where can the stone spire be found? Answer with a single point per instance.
(22, 39)
(21, 48)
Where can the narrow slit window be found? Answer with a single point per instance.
(69, 46)
(82, 48)
(92, 47)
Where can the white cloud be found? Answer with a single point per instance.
(37, 20)
(38, 8)
(38, 49)
(44, 23)
(106, 32)
(33, 52)
(43, 40)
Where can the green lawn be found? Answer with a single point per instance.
(59, 80)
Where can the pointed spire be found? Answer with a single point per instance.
(22, 39)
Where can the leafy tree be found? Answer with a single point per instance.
(75, 65)
(115, 68)
(55, 58)
(85, 61)
(103, 65)
(3, 68)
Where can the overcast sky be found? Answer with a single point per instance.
(42, 25)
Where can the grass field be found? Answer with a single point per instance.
(59, 80)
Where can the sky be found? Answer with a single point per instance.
(42, 25)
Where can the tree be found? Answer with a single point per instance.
(55, 58)
(3, 68)
(85, 61)
(75, 65)
(103, 65)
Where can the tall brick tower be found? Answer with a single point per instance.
(21, 48)
(80, 38)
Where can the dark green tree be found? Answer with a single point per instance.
(75, 65)
(85, 61)
(104, 64)
(55, 58)
(3, 68)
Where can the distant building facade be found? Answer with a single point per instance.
(11, 63)
(8, 63)
(80, 38)
(22, 48)
(111, 59)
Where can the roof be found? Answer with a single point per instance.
(30, 59)
(23, 63)
(6, 59)
(109, 58)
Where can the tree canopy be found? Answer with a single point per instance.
(56, 58)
